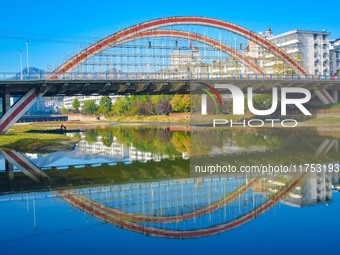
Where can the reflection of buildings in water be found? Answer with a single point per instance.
(229, 147)
(136, 155)
(120, 151)
(116, 150)
(336, 181)
(316, 188)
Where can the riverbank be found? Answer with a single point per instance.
(25, 137)
(175, 118)
(37, 143)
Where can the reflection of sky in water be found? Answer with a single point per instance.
(71, 158)
(65, 159)
(61, 229)
(2, 163)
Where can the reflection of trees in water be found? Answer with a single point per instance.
(164, 141)
(106, 137)
(181, 141)
(204, 141)
(154, 140)
(246, 140)
(91, 136)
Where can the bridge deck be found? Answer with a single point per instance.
(150, 86)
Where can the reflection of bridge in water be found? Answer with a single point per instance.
(180, 208)
(292, 150)
(228, 212)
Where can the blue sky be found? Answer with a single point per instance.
(70, 20)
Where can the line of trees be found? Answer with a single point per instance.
(134, 105)
(147, 105)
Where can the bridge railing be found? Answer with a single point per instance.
(159, 76)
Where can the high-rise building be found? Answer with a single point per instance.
(309, 48)
(334, 57)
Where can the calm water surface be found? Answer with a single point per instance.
(128, 190)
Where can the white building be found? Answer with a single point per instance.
(334, 57)
(182, 61)
(69, 100)
(310, 48)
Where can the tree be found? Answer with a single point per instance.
(106, 101)
(262, 101)
(76, 104)
(90, 107)
(122, 106)
(146, 108)
(163, 107)
(64, 110)
(180, 103)
(105, 105)
(103, 110)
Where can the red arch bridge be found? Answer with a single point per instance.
(165, 56)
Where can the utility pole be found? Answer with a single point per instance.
(20, 65)
(28, 68)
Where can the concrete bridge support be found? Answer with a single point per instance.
(13, 113)
(204, 104)
(335, 95)
(9, 170)
(6, 102)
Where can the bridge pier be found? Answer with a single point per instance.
(13, 113)
(335, 95)
(6, 102)
(336, 146)
(9, 170)
(204, 104)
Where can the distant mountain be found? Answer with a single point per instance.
(34, 73)
(32, 70)
(114, 71)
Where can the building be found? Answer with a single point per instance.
(311, 49)
(334, 44)
(69, 100)
(185, 61)
(334, 57)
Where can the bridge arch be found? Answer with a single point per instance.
(124, 221)
(111, 40)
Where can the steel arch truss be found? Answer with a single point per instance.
(134, 31)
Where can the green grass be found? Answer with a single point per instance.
(153, 118)
(25, 142)
(327, 120)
